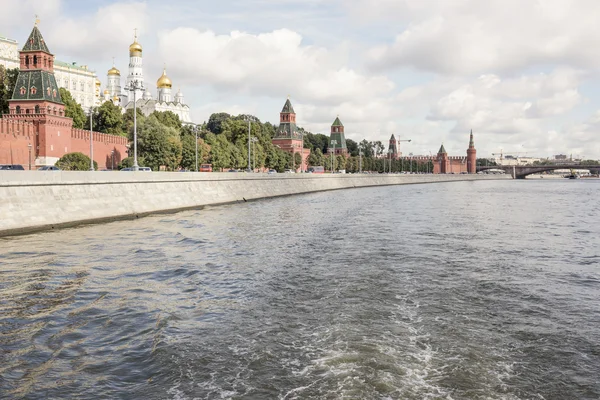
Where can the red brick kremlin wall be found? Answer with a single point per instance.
(104, 145)
(14, 139)
(16, 135)
(455, 164)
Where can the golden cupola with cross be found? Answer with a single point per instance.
(163, 86)
(135, 49)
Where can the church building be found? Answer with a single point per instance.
(135, 91)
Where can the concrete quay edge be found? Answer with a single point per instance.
(33, 201)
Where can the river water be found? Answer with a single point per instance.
(470, 290)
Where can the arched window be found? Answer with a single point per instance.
(18, 109)
(37, 109)
(27, 111)
(34, 60)
(26, 60)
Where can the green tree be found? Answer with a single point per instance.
(75, 162)
(8, 79)
(127, 127)
(109, 119)
(168, 118)
(188, 153)
(128, 162)
(315, 158)
(340, 161)
(159, 144)
(297, 159)
(73, 109)
(352, 147)
(215, 122)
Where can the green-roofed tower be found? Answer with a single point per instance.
(337, 135)
(442, 150)
(290, 139)
(36, 80)
(36, 99)
(287, 123)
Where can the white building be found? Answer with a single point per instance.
(79, 80)
(143, 97)
(9, 53)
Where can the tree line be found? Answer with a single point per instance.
(164, 142)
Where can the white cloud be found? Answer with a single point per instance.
(471, 36)
(274, 63)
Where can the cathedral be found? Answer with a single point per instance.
(134, 90)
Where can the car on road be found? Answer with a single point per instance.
(272, 171)
(49, 168)
(289, 171)
(144, 169)
(14, 167)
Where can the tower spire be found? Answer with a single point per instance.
(471, 142)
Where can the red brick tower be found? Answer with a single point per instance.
(393, 148)
(471, 156)
(442, 163)
(337, 134)
(36, 99)
(289, 138)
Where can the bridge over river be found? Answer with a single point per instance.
(521, 171)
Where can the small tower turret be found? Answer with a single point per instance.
(337, 134)
(471, 156)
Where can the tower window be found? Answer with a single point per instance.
(18, 110)
(22, 90)
(33, 90)
(26, 60)
(37, 109)
(34, 60)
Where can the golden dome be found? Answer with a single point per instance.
(116, 98)
(106, 91)
(114, 71)
(164, 81)
(98, 83)
(135, 50)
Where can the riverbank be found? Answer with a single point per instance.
(33, 201)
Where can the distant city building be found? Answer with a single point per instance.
(79, 80)
(124, 97)
(337, 135)
(561, 157)
(287, 136)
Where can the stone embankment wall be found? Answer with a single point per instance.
(33, 200)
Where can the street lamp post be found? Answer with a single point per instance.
(29, 146)
(249, 122)
(254, 140)
(112, 159)
(333, 143)
(196, 135)
(360, 153)
(411, 158)
(134, 86)
(91, 140)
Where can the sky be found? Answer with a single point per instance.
(524, 75)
